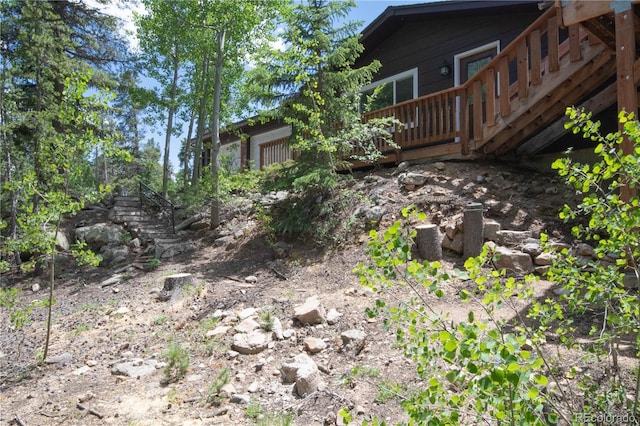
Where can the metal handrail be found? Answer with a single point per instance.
(155, 198)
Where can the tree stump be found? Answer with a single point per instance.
(173, 285)
(429, 242)
(176, 281)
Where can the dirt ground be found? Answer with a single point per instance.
(99, 326)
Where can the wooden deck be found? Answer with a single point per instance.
(522, 91)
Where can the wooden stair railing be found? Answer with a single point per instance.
(155, 199)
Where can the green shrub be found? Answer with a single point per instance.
(213, 393)
(488, 369)
(178, 361)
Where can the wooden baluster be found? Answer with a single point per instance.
(553, 43)
(491, 97)
(575, 52)
(536, 57)
(523, 70)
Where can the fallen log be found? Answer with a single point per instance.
(187, 222)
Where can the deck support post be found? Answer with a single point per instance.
(626, 81)
(473, 232)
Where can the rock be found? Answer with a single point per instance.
(98, 235)
(512, 238)
(411, 180)
(253, 387)
(311, 312)
(586, 250)
(490, 229)
(135, 243)
(532, 249)
(239, 398)
(374, 214)
(251, 279)
(457, 244)
(439, 165)
(62, 242)
(228, 389)
(81, 371)
(110, 253)
(333, 316)
(302, 371)
(314, 345)
(247, 325)
(544, 259)
(220, 330)
(35, 288)
(134, 368)
(251, 343)
(559, 246)
(121, 310)
(167, 251)
(63, 358)
(353, 340)
(276, 329)
(402, 167)
(246, 313)
(515, 262)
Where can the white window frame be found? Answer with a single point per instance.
(456, 71)
(400, 76)
(457, 58)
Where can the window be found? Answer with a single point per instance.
(468, 63)
(392, 90)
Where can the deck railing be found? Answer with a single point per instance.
(454, 115)
(156, 200)
(276, 151)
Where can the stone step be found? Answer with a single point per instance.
(127, 204)
(127, 209)
(126, 198)
(166, 241)
(155, 234)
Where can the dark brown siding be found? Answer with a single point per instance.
(427, 43)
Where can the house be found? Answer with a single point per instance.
(483, 77)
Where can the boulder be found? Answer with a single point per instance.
(515, 262)
(314, 345)
(251, 343)
(490, 229)
(353, 340)
(302, 371)
(310, 312)
(512, 238)
(101, 234)
(134, 368)
(410, 180)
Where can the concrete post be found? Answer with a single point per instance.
(473, 233)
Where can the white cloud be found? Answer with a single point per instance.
(122, 9)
